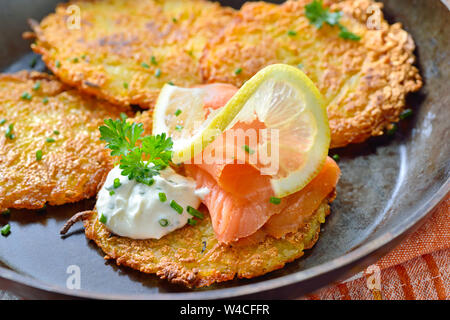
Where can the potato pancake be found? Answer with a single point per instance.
(125, 51)
(193, 257)
(364, 82)
(50, 150)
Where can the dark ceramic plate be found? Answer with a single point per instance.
(388, 187)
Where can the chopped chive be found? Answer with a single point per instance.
(26, 96)
(158, 73)
(45, 100)
(247, 149)
(144, 65)
(50, 140)
(116, 183)
(125, 85)
(163, 222)
(336, 157)
(2, 122)
(39, 155)
(275, 200)
(178, 112)
(55, 132)
(75, 60)
(162, 197)
(406, 113)
(348, 35)
(102, 218)
(33, 62)
(292, 33)
(392, 130)
(6, 230)
(238, 71)
(192, 221)
(178, 127)
(112, 192)
(171, 83)
(57, 64)
(153, 61)
(9, 132)
(175, 206)
(174, 20)
(37, 86)
(6, 212)
(83, 56)
(194, 212)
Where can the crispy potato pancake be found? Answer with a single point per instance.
(45, 115)
(192, 256)
(364, 82)
(125, 51)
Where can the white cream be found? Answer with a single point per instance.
(135, 209)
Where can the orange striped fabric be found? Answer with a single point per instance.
(418, 269)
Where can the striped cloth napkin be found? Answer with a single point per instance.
(418, 269)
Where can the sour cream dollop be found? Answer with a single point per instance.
(135, 210)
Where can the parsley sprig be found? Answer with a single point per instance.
(140, 162)
(317, 14)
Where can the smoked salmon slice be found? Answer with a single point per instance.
(239, 198)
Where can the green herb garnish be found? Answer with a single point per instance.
(26, 96)
(247, 149)
(163, 222)
(112, 192)
(6, 230)
(275, 200)
(139, 162)
(75, 60)
(336, 157)
(178, 112)
(125, 85)
(237, 71)
(102, 218)
(37, 86)
(153, 61)
(9, 132)
(175, 206)
(39, 155)
(50, 140)
(162, 197)
(116, 183)
(194, 212)
(392, 130)
(192, 221)
(292, 33)
(406, 113)
(2, 122)
(178, 127)
(33, 62)
(158, 73)
(45, 100)
(317, 15)
(145, 65)
(57, 64)
(55, 132)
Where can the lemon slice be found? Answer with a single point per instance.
(279, 98)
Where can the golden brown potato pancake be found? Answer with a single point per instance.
(47, 116)
(192, 256)
(125, 51)
(364, 82)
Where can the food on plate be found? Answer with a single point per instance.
(362, 65)
(125, 51)
(50, 150)
(196, 222)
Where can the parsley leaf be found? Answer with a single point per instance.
(120, 135)
(140, 163)
(317, 15)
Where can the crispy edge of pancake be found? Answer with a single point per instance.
(74, 166)
(95, 79)
(387, 70)
(191, 256)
